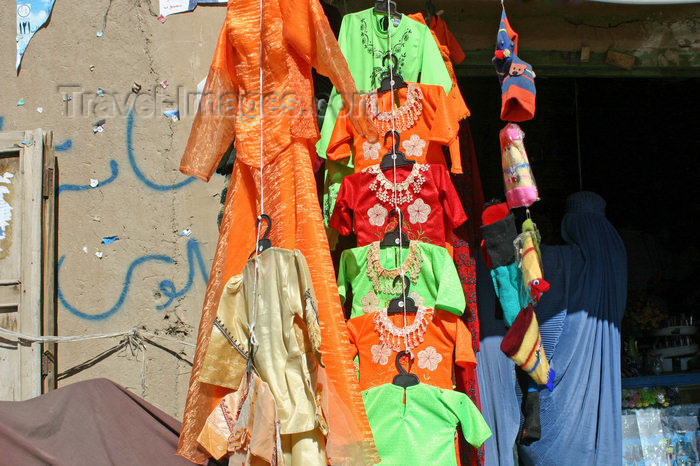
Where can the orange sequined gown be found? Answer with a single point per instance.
(295, 35)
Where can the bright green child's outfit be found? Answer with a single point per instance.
(369, 271)
(416, 425)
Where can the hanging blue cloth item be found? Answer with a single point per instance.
(580, 318)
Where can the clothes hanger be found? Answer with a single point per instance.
(264, 242)
(404, 379)
(391, 238)
(386, 84)
(399, 304)
(380, 6)
(394, 158)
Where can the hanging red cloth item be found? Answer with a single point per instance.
(445, 38)
(424, 194)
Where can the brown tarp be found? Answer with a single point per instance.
(95, 422)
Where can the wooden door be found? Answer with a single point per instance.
(26, 210)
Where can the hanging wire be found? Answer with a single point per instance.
(578, 137)
(252, 341)
(393, 157)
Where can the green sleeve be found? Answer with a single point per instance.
(474, 427)
(335, 103)
(335, 173)
(450, 295)
(343, 276)
(433, 69)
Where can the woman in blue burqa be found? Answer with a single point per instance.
(580, 318)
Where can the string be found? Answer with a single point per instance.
(578, 137)
(133, 333)
(393, 159)
(135, 340)
(252, 341)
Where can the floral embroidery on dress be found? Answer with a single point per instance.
(370, 151)
(414, 146)
(418, 212)
(370, 303)
(429, 358)
(377, 215)
(380, 354)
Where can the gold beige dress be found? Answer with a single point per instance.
(274, 297)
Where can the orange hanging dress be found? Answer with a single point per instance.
(294, 35)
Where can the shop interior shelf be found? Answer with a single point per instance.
(675, 331)
(665, 380)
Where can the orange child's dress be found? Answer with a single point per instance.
(424, 121)
(295, 35)
(437, 339)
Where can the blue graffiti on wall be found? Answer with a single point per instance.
(167, 287)
(84, 187)
(65, 145)
(137, 171)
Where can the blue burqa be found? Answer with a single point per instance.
(580, 319)
(496, 375)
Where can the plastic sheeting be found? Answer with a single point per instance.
(93, 422)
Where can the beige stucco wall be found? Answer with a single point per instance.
(135, 47)
(145, 203)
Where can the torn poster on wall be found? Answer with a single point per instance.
(5, 208)
(31, 15)
(170, 7)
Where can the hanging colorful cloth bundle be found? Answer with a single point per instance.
(512, 278)
(520, 187)
(527, 247)
(516, 76)
(523, 344)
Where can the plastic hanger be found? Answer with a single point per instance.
(391, 237)
(380, 6)
(264, 242)
(394, 157)
(404, 379)
(399, 304)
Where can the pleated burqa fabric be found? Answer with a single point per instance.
(580, 320)
(293, 35)
(496, 373)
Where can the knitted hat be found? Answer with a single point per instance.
(512, 295)
(498, 231)
(516, 76)
(523, 345)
